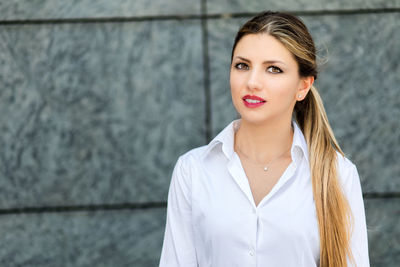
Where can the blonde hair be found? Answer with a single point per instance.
(333, 211)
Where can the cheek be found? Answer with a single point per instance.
(284, 88)
(234, 80)
(235, 84)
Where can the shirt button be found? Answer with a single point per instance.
(251, 253)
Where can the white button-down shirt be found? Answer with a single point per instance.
(212, 219)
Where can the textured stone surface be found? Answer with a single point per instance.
(238, 6)
(383, 216)
(59, 9)
(359, 85)
(113, 238)
(97, 113)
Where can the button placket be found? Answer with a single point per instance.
(253, 241)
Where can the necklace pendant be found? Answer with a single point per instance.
(265, 168)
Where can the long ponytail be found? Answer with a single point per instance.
(333, 211)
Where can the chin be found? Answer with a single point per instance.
(262, 119)
(253, 118)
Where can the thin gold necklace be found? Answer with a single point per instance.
(266, 166)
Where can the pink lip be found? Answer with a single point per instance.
(253, 105)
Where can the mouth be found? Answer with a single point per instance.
(253, 101)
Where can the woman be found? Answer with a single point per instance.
(273, 188)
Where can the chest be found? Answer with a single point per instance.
(261, 181)
(221, 196)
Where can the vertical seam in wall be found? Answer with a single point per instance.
(206, 70)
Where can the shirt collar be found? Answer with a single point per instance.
(299, 142)
(225, 141)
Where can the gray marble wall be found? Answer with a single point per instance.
(98, 99)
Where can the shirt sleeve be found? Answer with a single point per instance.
(359, 239)
(178, 246)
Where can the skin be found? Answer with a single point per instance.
(262, 66)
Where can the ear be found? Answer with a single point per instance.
(304, 86)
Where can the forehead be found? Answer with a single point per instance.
(262, 47)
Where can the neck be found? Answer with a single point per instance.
(263, 142)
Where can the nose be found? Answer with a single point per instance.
(254, 80)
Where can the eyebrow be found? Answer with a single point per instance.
(265, 62)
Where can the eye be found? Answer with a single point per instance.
(274, 69)
(241, 66)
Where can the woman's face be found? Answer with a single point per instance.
(264, 79)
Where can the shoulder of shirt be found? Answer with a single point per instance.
(344, 162)
(347, 170)
(187, 165)
(192, 156)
